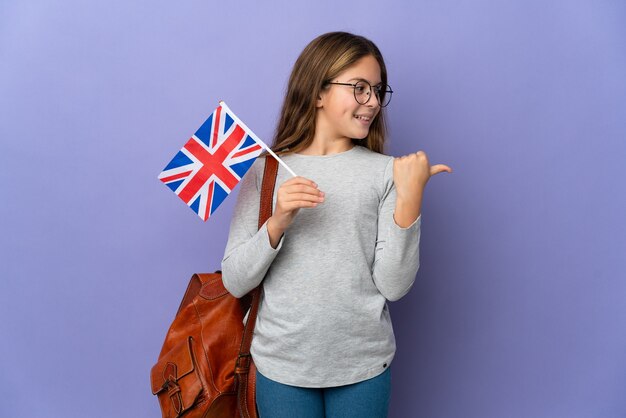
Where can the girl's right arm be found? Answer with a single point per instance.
(250, 252)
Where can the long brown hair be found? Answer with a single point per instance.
(321, 60)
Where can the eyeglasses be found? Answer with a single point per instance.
(363, 89)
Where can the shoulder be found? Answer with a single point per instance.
(368, 155)
(258, 165)
(254, 175)
(381, 164)
(378, 168)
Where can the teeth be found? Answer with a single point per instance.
(362, 117)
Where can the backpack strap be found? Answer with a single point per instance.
(267, 189)
(265, 211)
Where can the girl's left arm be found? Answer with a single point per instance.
(396, 257)
(399, 223)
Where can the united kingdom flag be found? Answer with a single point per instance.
(212, 162)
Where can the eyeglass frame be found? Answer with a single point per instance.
(390, 91)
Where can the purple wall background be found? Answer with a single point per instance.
(518, 309)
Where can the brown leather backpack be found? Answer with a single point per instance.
(205, 368)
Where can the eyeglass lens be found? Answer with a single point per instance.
(362, 90)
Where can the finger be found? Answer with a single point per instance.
(300, 180)
(297, 204)
(303, 188)
(304, 197)
(439, 168)
(300, 184)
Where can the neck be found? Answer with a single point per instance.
(324, 143)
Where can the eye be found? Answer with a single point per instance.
(360, 87)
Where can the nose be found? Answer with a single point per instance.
(373, 100)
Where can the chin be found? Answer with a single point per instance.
(361, 136)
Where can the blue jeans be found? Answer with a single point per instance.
(367, 399)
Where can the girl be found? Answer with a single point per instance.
(343, 239)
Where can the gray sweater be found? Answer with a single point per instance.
(323, 319)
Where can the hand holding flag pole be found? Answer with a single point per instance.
(213, 161)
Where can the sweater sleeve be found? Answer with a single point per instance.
(396, 258)
(248, 254)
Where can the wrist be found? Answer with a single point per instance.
(273, 224)
(406, 212)
(274, 229)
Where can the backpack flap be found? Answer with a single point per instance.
(174, 379)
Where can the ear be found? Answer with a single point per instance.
(320, 98)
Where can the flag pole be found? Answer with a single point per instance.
(256, 138)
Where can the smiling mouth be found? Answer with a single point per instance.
(363, 118)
